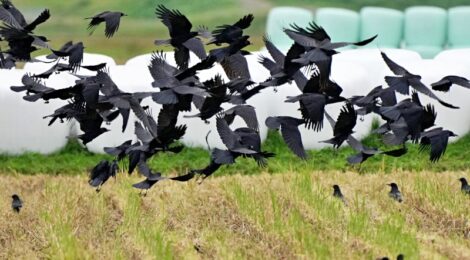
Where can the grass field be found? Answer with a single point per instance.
(138, 31)
(74, 159)
(281, 216)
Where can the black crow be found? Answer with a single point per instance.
(112, 20)
(365, 152)
(229, 33)
(446, 82)
(151, 177)
(338, 194)
(289, 127)
(90, 123)
(232, 58)
(318, 46)
(119, 151)
(16, 203)
(184, 178)
(63, 48)
(31, 86)
(435, 141)
(370, 102)
(60, 67)
(314, 36)
(465, 188)
(101, 173)
(405, 79)
(211, 105)
(182, 38)
(312, 108)
(280, 74)
(177, 87)
(395, 192)
(344, 126)
(245, 112)
(12, 15)
(242, 141)
(19, 34)
(407, 120)
(75, 54)
(21, 42)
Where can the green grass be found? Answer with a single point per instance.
(74, 159)
(138, 31)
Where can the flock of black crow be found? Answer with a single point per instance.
(96, 100)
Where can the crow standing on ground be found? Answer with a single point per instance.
(338, 194)
(395, 192)
(112, 20)
(16, 203)
(465, 188)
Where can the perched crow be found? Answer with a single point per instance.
(338, 194)
(446, 82)
(465, 188)
(395, 192)
(112, 20)
(404, 79)
(16, 203)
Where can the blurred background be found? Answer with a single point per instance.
(141, 28)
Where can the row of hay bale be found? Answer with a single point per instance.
(23, 128)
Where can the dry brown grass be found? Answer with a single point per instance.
(281, 216)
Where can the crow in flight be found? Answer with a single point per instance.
(112, 20)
